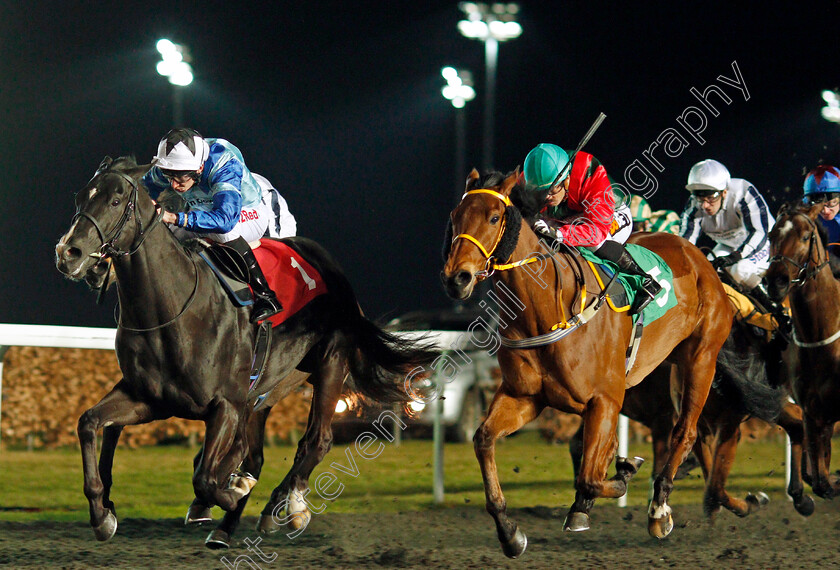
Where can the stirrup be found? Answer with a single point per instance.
(264, 308)
(640, 302)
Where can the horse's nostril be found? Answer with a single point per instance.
(463, 278)
(72, 253)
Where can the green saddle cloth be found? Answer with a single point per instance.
(655, 266)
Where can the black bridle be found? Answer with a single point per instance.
(109, 247)
(811, 266)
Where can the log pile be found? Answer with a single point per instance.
(46, 390)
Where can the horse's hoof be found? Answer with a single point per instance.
(217, 540)
(299, 519)
(757, 501)
(266, 525)
(197, 515)
(576, 522)
(107, 529)
(241, 483)
(631, 465)
(514, 547)
(804, 506)
(660, 528)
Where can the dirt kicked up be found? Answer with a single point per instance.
(464, 538)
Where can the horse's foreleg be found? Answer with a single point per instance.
(223, 446)
(790, 420)
(198, 512)
(110, 438)
(291, 494)
(697, 368)
(576, 449)
(599, 445)
(252, 464)
(506, 415)
(117, 408)
(816, 443)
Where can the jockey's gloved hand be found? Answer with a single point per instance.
(726, 260)
(541, 227)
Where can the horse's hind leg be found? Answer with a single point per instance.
(696, 368)
(316, 442)
(728, 436)
(117, 408)
(819, 447)
(506, 415)
(599, 445)
(790, 420)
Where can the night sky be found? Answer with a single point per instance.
(339, 105)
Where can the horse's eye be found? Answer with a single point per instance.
(494, 219)
(806, 237)
(115, 202)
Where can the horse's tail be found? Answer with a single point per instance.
(741, 377)
(382, 361)
(379, 361)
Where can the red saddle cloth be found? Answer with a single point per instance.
(290, 276)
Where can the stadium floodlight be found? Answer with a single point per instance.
(491, 24)
(459, 86)
(174, 63)
(831, 112)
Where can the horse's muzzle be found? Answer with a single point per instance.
(459, 285)
(69, 260)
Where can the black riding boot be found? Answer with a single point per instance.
(615, 252)
(776, 309)
(265, 301)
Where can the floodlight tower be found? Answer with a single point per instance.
(459, 90)
(175, 66)
(491, 24)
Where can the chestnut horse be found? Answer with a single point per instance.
(741, 390)
(584, 374)
(800, 270)
(185, 350)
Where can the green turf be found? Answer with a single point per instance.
(155, 482)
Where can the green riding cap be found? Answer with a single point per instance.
(544, 163)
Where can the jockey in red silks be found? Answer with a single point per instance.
(580, 210)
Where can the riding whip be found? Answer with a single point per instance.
(565, 170)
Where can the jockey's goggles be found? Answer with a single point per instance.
(829, 199)
(180, 176)
(706, 196)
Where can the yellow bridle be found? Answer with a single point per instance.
(490, 267)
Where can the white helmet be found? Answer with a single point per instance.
(708, 175)
(181, 150)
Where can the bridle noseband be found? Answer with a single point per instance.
(810, 267)
(108, 247)
(490, 266)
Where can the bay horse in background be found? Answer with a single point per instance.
(799, 269)
(184, 350)
(741, 390)
(585, 373)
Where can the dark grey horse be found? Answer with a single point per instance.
(184, 350)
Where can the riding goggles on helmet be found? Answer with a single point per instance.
(180, 176)
(706, 195)
(830, 199)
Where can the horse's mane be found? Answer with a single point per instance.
(527, 198)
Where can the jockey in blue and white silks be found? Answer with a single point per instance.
(224, 201)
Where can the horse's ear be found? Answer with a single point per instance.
(511, 181)
(139, 171)
(813, 211)
(106, 162)
(471, 177)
